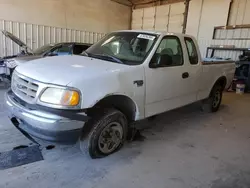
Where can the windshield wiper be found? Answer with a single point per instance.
(85, 53)
(111, 57)
(102, 55)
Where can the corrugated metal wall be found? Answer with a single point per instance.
(38, 35)
(96, 15)
(237, 33)
(160, 18)
(203, 44)
(204, 15)
(239, 15)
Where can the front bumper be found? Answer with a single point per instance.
(5, 70)
(41, 123)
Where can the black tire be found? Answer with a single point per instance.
(89, 141)
(212, 104)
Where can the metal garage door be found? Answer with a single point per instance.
(160, 18)
(38, 35)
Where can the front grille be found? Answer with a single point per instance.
(23, 87)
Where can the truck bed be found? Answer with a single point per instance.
(212, 69)
(216, 60)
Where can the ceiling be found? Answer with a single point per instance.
(136, 3)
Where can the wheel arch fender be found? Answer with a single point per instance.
(222, 81)
(121, 102)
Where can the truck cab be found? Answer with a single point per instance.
(125, 77)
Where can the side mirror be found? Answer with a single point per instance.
(163, 60)
(155, 61)
(153, 65)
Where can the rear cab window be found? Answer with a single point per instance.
(192, 51)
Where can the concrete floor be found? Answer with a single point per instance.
(183, 148)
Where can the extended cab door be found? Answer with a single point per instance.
(168, 85)
(194, 67)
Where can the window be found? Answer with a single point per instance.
(62, 50)
(78, 49)
(129, 48)
(169, 52)
(44, 49)
(192, 52)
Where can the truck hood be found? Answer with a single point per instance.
(62, 70)
(15, 40)
(22, 59)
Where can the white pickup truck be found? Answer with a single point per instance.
(127, 76)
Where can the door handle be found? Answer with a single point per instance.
(139, 83)
(185, 75)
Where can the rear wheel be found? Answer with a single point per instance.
(212, 104)
(107, 134)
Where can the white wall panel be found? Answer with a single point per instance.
(137, 19)
(38, 22)
(240, 12)
(37, 35)
(204, 15)
(97, 15)
(214, 13)
(177, 8)
(149, 18)
(176, 23)
(193, 21)
(233, 12)
(176, 17)
(240, 15)
(246, 19)
(160, 18)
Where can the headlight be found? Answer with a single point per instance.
(62, 97)
(11, 63)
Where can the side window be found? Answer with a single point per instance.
(169, 53)
(62, 50)
(192, 52)
(78, 49)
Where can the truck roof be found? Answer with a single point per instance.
(157, 32)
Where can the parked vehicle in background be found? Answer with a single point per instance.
(125, 77)
(8, 63)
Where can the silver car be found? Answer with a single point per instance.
(8, 63)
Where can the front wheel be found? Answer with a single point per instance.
(108, 131)
(212, 104)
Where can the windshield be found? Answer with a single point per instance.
(129, 48)
(43, 49)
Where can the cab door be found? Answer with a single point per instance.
(166, 77)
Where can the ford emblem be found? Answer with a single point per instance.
(19, 86)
